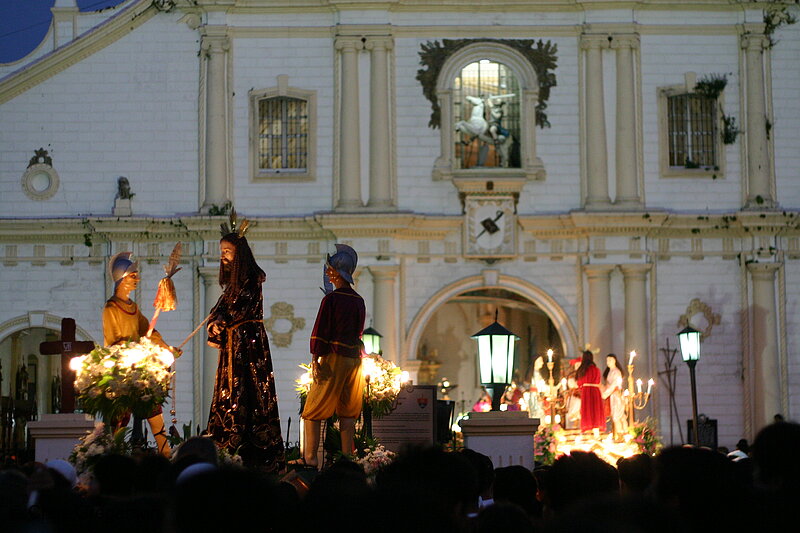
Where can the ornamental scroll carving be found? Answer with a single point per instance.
(280, 311)
(697, 307)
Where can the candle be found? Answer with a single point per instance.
(633, 354)
(549, 356)
(650, 384)
(564, 383)
(639, 385)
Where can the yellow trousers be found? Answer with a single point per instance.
(339, 392)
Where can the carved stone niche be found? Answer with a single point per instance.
(281, 316)
(700, 316)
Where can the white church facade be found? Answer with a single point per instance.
(604, 174)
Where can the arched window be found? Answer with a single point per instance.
(486, 111)
(487, 94)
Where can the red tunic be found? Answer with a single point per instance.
(339, 324)
(591, 400)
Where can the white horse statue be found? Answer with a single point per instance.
(488, 132)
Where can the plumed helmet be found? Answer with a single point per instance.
(121, 265)
(344, 261)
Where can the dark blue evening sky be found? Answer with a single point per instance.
(24, 23)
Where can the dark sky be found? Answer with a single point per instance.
(24, 23)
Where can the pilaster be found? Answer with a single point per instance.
(348, 48)
(385, 308)
(380, 123)
(600, 321)
(636, 329)
(765, 359)
(627, 193)
(596, 163)
(215, 45)
(759, 193)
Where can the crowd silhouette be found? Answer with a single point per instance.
(424, 489)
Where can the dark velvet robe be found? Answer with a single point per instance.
(244, 408)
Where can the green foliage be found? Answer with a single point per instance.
(711, 85)
(729, 129)
(220, 210)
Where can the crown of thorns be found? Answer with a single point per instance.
(236, 226)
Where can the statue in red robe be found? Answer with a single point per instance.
(588, 377)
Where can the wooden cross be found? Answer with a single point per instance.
(68, 348)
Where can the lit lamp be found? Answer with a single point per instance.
(496, 358)
(690, 351)
(372, 340)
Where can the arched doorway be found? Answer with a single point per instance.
(439, 340)
(27, 374)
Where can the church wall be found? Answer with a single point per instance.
(665, 61)
(720, 388)
(130, 110)
(417, 144)
(309, 64)
(792, 303)
(786, 114)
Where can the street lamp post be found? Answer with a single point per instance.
(496, 358)
(690, 351)
(372, 346)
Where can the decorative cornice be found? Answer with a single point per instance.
(76, 50)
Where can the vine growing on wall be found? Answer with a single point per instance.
(540, 54)
(711, 86)
(775, 16)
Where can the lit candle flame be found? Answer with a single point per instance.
(650, 384)
(639, 385)
(633, 354)
(550, 356)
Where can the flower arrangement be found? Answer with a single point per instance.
(128, 377)
(383, 383)
(375, 458)
(645, 436)
(384, 379)
(96, 443)
(544, 444)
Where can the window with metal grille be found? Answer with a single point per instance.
(486, 110)
(692, 131)
(283, 125)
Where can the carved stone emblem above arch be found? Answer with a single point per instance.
(700, 316)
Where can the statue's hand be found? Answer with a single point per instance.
(213, 344)
(214, 328)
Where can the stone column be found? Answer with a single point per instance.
(765, 360)
(385, 309)
(626, 141)
(636, 328)
(759, 193)
(210, 356)
(380, 123)
(596, 149)
(214, 46)
(600, 324)
(349, 132)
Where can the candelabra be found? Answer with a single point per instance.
(636, 400)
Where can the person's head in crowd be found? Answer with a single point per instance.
(225, 500)
(635, 473)
(516, 484)
(701, 486)
(503, 516)
(427, 486)
(776, 464)
(65, 470)
(485, 470)
(340, 489)
(576, 477)
(114, 476)
(199, 449)
(13, 496)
